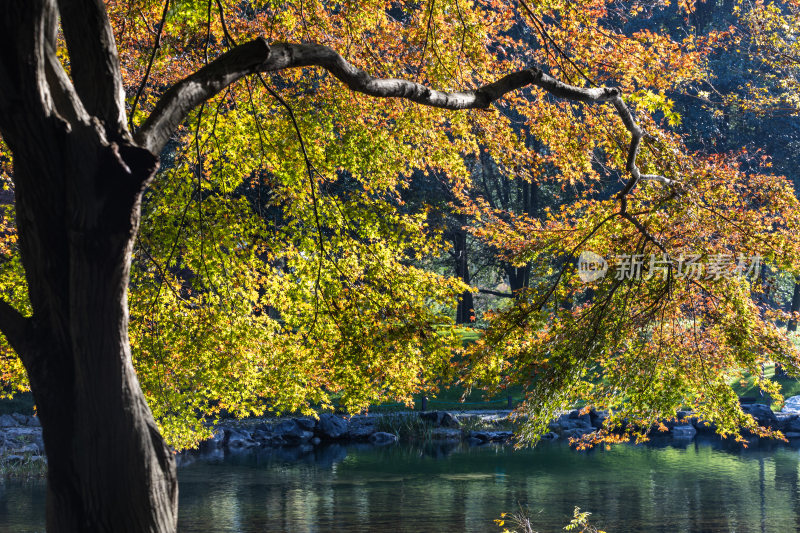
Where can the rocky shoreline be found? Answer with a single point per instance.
(21, 436)
(451, 427)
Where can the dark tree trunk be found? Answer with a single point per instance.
(109, 468)
(792, 325)
(465, 312)
(518, 277)
(78, 191)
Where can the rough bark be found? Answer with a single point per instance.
(77, 196)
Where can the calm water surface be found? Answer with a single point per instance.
(699, 488)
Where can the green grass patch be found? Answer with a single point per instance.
(746, 387)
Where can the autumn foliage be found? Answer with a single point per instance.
(278, 265)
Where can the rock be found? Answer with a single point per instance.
(8, 421)
(215, 442)
(791, 405)
(33, 421)
(792, 434)
(550, 436)
(575, 414)
(362, 427)
(331, 427)
(315, 441)
(473, 441)
(238, 440)
(13, 459)
(576, 432)
(184, 459)
(446, 434)
(574, 423)
(31, 449)
(482, 436)
(306, 423)
(430, 416)
(20, 418)
(685, 432)
(291, 432)
(491, 436)
(597, 418)
(792, 425)
(262, 437)
(704, 427)
(448, 420)
(763, 414)
(20, 436)
(785, 420)
(381, 438)
(441, 419)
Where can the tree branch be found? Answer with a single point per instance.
(94, 62)
(65, 99)
(190, 92)
(24, 95)
(496, 293)
(258, 56)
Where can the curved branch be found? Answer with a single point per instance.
(190, 92)
(258, 56)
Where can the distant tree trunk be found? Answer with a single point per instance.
(791, 326)
(465, 312)
(519, 277)
(795, 307)
(703, 14)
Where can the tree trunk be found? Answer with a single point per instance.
(465, 312)
(518, 277)
(109, 468)
(792, 325)
(78, 185)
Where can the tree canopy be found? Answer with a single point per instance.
(279, 264)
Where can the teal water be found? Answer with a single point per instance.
(702, 487)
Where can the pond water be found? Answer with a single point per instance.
(701, 487)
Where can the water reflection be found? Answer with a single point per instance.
(701, 486)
